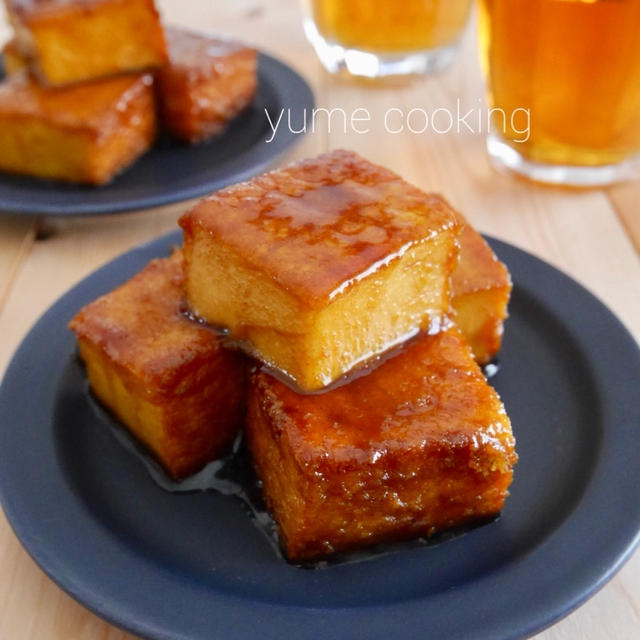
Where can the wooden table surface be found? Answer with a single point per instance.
(592, 235)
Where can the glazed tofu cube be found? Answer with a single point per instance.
(320, 266)
(12, 61)
(87, 133)
(165, 377)
(420, 445)
(481, 286)
(206, 84)
(70, 41)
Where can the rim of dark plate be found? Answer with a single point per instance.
(293, 92)
(607, 342)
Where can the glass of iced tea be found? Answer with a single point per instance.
(570, 70)
(376, 38)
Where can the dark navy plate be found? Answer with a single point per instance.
(173, 171)
(195, 567)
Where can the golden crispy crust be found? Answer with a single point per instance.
(320, 223)
(420, 444)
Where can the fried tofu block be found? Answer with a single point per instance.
(168, 379)
(481, 286)
(12, 61)
(419, 445)
(70, 41)
(206, 84)
(322, 265)
(87, 133)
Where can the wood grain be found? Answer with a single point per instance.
(626, 201)
(16, 238)
(589, 235)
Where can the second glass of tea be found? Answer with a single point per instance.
(377, 38)
(564, 88)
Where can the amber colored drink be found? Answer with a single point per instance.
(378, 38)
(391, 25)
(575, 64)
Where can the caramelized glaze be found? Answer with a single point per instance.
(28, 8)
(430, 391)
(206, 84)
(97, 107)
(478, 267)
(167, 379)
(142, 327)
(12, 61)
(199, 55)
(321, 223)
(73, 41)
(419, 445)
(481, 287)
(82, 134)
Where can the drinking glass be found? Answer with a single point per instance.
(573, 67)
(376, 38)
